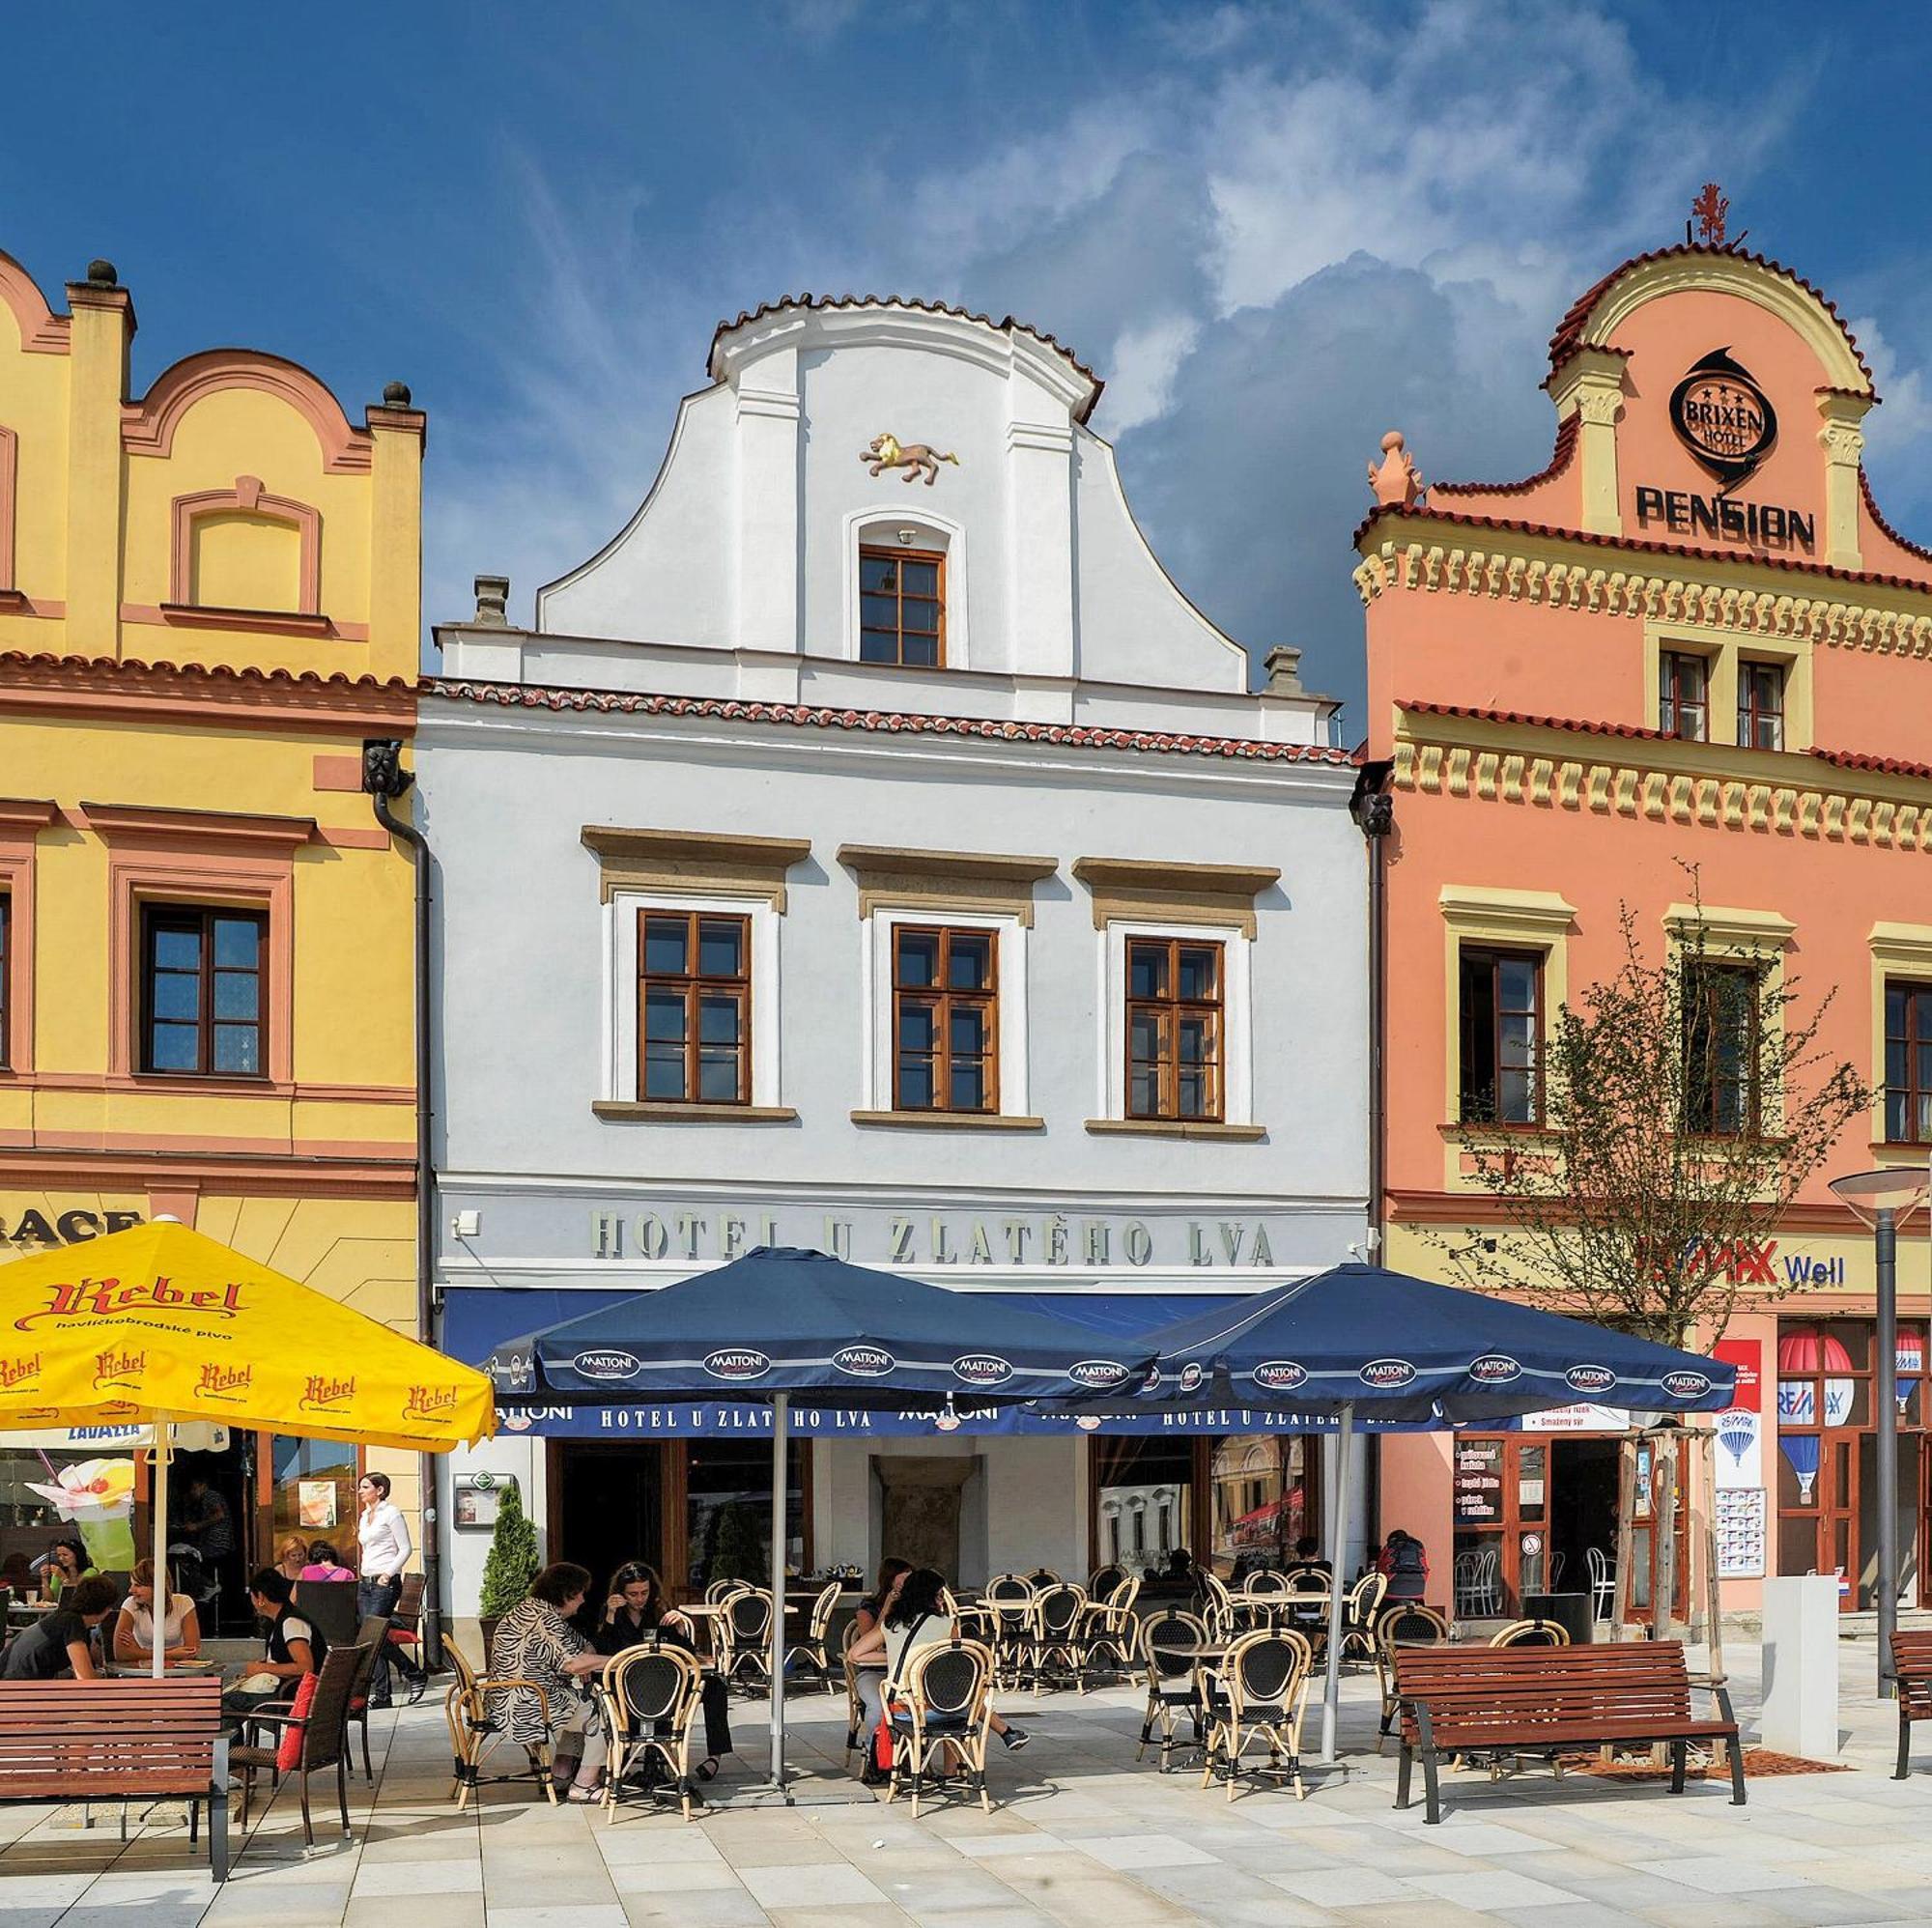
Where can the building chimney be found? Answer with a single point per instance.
(1282, 665)
(492, 594)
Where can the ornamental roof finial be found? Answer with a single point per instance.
(1708, 211)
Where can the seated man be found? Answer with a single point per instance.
(293, 1646)
(57, 1645)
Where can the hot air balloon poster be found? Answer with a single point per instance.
(1739, 1462)
(1740, 1427)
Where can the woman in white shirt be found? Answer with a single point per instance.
(384, 1550)
(134, 1626)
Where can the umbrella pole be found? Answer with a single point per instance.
(1338, 1549)
(781, 1432)
(157, 1497)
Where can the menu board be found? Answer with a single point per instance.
(1741, 1538)
(1479, 1482)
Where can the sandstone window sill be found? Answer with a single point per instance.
(952, 1121)
(615, 1111)
(1174, 1127)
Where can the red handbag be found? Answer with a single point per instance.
(882, 1745)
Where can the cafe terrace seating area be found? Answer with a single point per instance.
(1081, 1827)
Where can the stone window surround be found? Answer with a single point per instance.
(1897, 950)
(206, 859)
(969, 889)
(1213, 902)
(22, 820)
(1723, 650)
(1487, 919)
(670, 870)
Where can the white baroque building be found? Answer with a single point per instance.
(872, 848)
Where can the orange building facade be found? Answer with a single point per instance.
(1691, 640)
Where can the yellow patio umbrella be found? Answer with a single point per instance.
(159, 1324)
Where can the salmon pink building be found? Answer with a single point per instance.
(1692, 638)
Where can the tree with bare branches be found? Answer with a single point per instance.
(1679, 1107)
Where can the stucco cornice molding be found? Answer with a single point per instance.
(1717, 595)
(708, 863)
(1657, 781)
(26, 814)
(124, 688)
(42, 331)
(121, 823)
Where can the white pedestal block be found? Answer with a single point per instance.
(1800, 1667)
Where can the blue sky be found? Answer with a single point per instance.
(1277, 229)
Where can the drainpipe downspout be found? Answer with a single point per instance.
(385, 781)
(1372, 807)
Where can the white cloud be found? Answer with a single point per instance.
(1298, 228)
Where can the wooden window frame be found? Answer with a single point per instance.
(1703, 1122)
(1669, 702)
(944, 997)
(157, 917)
(1750, 712)
(693, 984)
(1495, 954)
(1168, 1110)
(881, 553)
(1917, 1094)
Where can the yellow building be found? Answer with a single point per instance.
(209, 605)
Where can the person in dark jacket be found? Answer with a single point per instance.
(635, 1612)
(1405, 1562)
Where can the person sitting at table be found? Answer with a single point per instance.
(294, 1646)
(870, 1611)
(915, 1617)
(134, 1626)
(61, 1565)
(1307, 1557)
(637, 1612)
(536, 1642)
(1405, 1562)
(323, 1563)
(59, 1644)
(291, 1555)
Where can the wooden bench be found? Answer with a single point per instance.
(125, 1739)
(1501, 1701)
(1912, 1671)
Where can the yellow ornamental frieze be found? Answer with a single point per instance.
(1449, 569)
(1629, 790)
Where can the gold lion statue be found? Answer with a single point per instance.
(916, 458)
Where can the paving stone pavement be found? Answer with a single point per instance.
(1083, 1836)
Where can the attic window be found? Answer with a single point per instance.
(903, 606)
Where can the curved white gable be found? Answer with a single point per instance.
(746, 539)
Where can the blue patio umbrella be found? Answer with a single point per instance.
(1388, 1346)
(1359, 1344)
(802, 1327)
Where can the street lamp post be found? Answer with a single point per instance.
(1882, 1199)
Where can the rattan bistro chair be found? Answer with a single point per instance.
(475, 1732)
(1110, 1627)
(324, 1728)
(1057, 1638)
(942, 1709)
(1169, 1641)
(745, 1636)
(1258, 1695)
(1006, 1606)
(1360, 1611)
(817, 1627)
(1531, 1634)
(650, 1698)
(1407, 1624)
